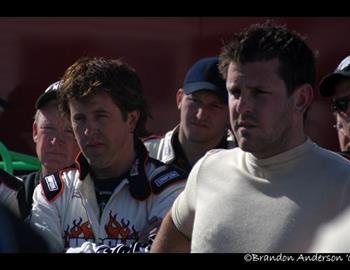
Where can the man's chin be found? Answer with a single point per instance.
(244, 144)
(198, 138)
(95, 162)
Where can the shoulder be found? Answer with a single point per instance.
(53, 185)
(31, 179)
(216, 161)
(152, 138)
(152, 143)
(156, 139)
(330, 158)
(10, 181)
(217, 154)
(163, 175)
(30, 176)
(333, 236)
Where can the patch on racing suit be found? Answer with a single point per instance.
(139, 185)
(52, 186)
(167, 177)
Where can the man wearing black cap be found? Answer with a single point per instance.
(202, 102)
(337, 86)
(56, 147)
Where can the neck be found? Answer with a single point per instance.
(46, 171)
(287, 142)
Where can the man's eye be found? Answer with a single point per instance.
(236, 93)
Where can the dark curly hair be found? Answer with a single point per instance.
(87, 76)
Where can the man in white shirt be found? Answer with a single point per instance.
(270, 193)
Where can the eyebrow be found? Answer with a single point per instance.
(101, 111)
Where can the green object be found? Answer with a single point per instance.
(12, 160)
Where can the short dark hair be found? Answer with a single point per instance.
(263, 42)
(87, 76)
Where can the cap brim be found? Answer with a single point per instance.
(45, 98)
(328, 82)
(191, 88)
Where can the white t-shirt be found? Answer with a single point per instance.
(234, 202)
(333, 237)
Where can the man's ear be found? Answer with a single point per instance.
(133, 118)
(179, 95)
(303, 97)
(35, 131)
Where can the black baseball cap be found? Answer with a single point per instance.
(205, 75)
(329, 81)
(49, 94)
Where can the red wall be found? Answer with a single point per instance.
(34, 52)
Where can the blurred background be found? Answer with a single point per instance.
(35, 51)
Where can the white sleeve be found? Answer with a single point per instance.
(45, 219)
(333, 237)
(183, 209)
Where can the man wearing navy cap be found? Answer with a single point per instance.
(337, 86)
(202, 102)
(55, 144)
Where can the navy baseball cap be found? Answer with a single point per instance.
(205, 75)
(329, 81)
(49, 94)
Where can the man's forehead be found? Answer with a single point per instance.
(258, 73)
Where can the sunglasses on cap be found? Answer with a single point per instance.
(340, 104)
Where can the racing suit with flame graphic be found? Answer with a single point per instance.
(66, 212)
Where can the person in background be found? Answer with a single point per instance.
(12, 193)
(11, 187)
(337, 86)
(16, 236)
(332, 237)
(56, 147)
(116, 197)
(269, 194)
(204, 121)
